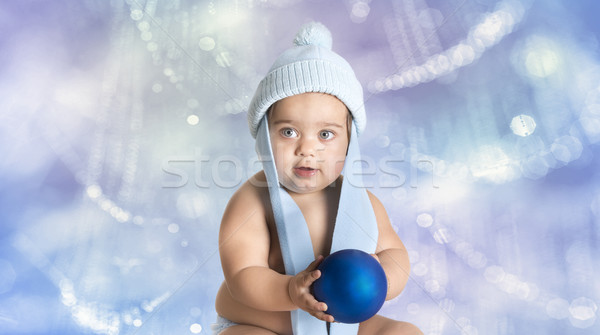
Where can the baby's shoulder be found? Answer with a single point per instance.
(245, 223)
(251, 196)
(378, 208)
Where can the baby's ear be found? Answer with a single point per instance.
(349, 123)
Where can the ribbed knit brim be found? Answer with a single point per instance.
(311, 67)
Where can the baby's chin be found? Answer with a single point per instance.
(301, 189)
(309, 185)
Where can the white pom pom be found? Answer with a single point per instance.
(314, 33)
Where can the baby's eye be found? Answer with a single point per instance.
(326, 135)
(288, 132)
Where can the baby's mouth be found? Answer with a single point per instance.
(304, 171)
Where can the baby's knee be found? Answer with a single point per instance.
(246, 330)
(402, 328)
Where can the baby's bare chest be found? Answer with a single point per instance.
(320, 224)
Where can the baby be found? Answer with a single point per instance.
(306, 116)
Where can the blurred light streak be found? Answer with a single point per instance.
(492, 28)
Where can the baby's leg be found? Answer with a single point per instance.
(383, 326)
(243, 329)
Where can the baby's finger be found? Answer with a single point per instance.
(313, 305)
(315, 263)
(323, 316)
(310, 278)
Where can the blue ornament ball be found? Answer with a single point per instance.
(352, 284)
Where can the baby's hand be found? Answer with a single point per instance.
(299, 290)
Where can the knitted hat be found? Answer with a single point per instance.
(309, 66)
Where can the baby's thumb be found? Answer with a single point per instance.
(313, 266)
(310, 277)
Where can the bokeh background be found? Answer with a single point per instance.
(123, 134)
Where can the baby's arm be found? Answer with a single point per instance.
(244, 243)
(390, 252)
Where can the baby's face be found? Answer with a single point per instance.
(309, 136)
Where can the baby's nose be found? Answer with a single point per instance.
(308, 147)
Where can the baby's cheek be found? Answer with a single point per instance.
(282, 173)
(339, 166)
